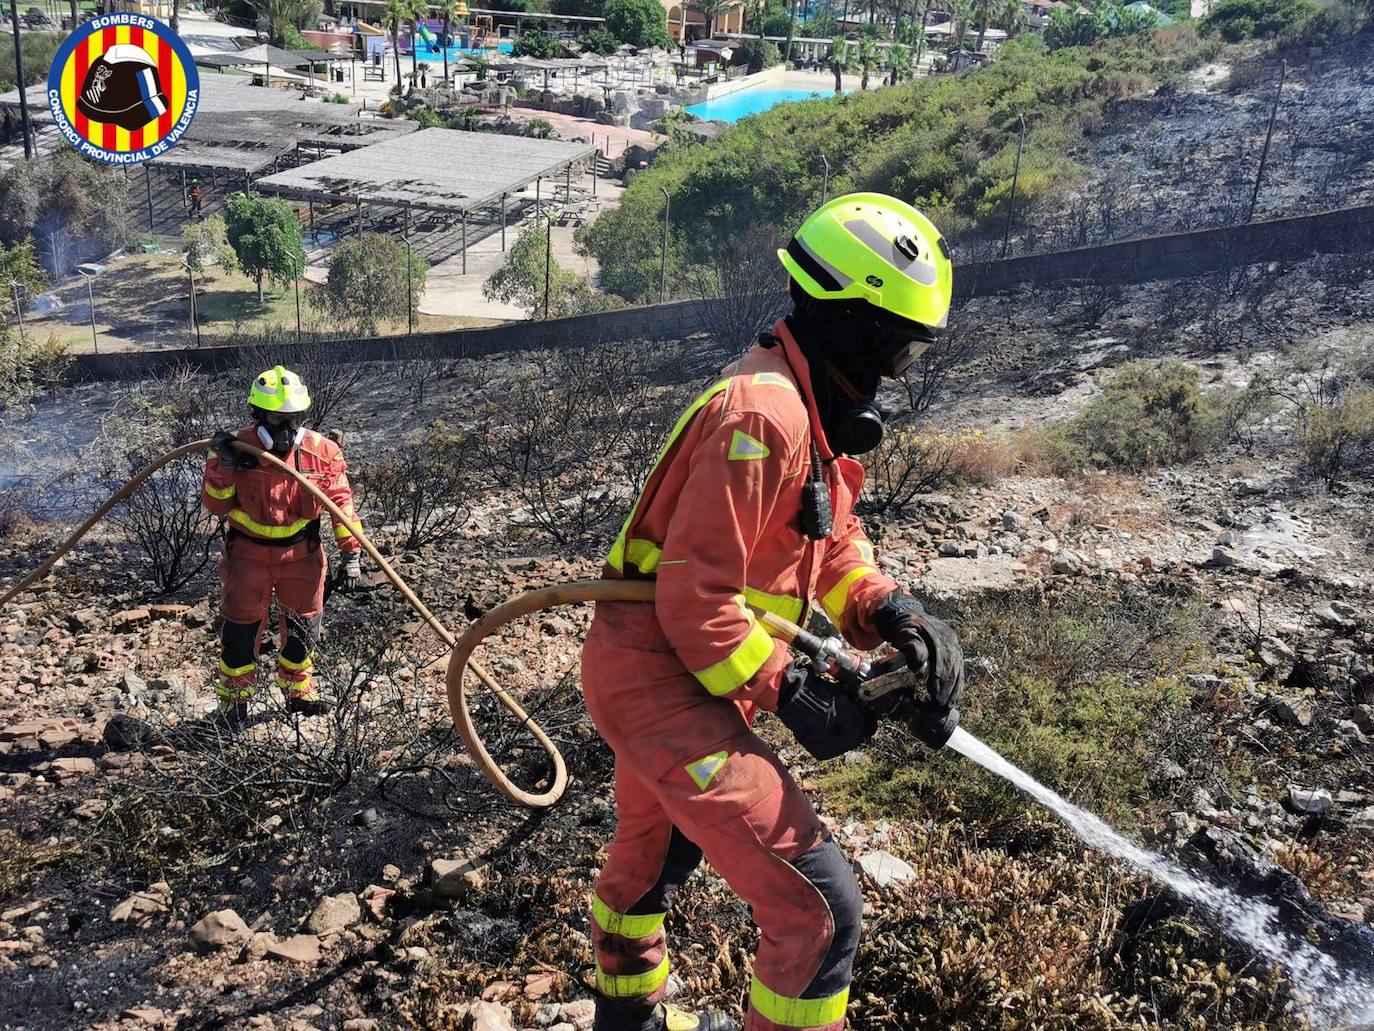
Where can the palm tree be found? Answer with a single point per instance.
(840, 60)
(921, 36)
(395, 14)
(415, 10)
(898, 63)
(448, 10)
(982, 23)
(1012, 15)
(868, 58)
(791, 31)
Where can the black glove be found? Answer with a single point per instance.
(824, 720)
(929, 646)
(223, 443)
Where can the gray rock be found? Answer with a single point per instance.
(1337, 615)
(219, 930)
(1011, 520)
(133, 686)
(1066, 562)
(1296, 712)
(1303, 800)
(300, 948)
(579, 1013)
(489, 1016)
(1363, 820)
(1363, 717)
(334, 913)
(1349, 730)
(1223, 557)
(454, 878)
(884, 869)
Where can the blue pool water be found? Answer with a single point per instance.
(425, 52)
(734, 106)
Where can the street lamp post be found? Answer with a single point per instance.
(548, 264)
(410, 290)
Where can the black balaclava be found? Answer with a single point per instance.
(850, 345)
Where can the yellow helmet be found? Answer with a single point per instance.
(875, 248)
(279, 390)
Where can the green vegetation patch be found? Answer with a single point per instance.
(1079, 692)
(946, 144)
(1236, 20)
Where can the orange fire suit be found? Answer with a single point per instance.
(273, 544)
(674, 687)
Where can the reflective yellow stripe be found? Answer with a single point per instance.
(797, 1012)
(241, 517)
(627, 925)
(622, 986)
(837, 597)
(616, 559)
(784, 605)
(644, 554)
(222, 495)
(295, 667)
(734, 671)
(230, 671)
(342, 530)
(303, 689)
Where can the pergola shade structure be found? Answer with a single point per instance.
(449, 174)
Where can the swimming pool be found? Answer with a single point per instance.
(734, 106)
(425, 52)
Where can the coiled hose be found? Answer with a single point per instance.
(461, 648)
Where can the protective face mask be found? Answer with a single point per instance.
(853, 428)
(281, 439)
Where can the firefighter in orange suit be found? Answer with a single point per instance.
(273, 543)
(750, 507)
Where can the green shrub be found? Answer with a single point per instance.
(536, 44)
(1336, 435)
(759, 54)
(599, 41)
(336, 98)
(944, 143)
(1149, 415)
(39, 50)
(1257, 19)
(1079, 693)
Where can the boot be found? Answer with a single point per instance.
(622, 1016)
(307, 706)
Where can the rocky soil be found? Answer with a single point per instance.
(358, 872)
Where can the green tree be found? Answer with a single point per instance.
(899, 63)
(206, 243)
(841, 60)
(266, 236)
(38, 51)
(21, 273)
(758, 54)
(641, 23)
(520, 280)
(368, 281)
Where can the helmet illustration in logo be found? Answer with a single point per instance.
(122, 88)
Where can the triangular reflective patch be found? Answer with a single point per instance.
(775, 379)
(744, 447)
(703, 771)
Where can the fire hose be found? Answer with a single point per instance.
(461, 648)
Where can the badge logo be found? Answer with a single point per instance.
(123, 89)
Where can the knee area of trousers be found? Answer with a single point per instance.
(826, 867)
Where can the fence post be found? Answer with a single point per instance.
(663, 263)
(1015, 177)
(1268, 135)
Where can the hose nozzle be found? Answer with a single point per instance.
(934, 725)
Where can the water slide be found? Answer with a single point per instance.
(427, 36)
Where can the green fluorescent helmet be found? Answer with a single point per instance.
(279, 390)
(874, 248)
